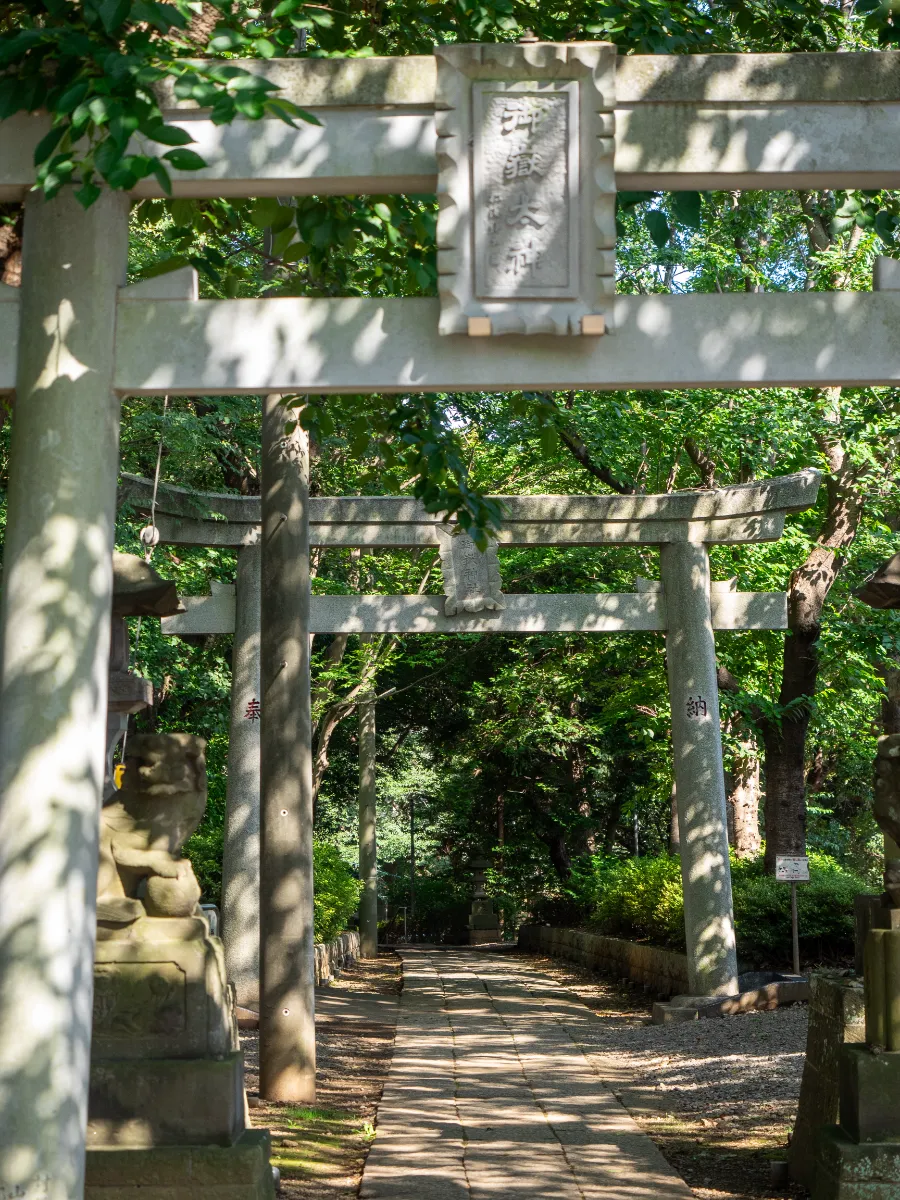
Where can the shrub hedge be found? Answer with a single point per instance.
(642, 898)
(336, 891)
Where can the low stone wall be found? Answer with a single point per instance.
(332, 957)
(664, 971)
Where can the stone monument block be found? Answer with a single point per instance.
(484, 923)
(526, 187)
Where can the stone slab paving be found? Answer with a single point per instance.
(490, 1095)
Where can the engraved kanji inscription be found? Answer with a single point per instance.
(524, 165)
(471, 577)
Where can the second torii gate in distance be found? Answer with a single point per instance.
(686, 605)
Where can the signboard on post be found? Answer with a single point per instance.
(792, 868)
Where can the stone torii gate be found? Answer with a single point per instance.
(685, 604)
(469, 124)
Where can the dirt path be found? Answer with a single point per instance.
(320, 1151)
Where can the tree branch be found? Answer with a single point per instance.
(706, 467)
(574, 443)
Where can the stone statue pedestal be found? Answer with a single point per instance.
(167, 1117)
(859, 1159)
(166, 1107)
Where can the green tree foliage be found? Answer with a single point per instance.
(336, 891)
(642, 898)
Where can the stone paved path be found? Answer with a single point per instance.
(489, 1095)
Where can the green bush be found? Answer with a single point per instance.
(642, 898)
(336, 891)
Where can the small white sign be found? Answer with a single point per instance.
(792, 868)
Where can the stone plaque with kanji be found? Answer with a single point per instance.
(526, 229)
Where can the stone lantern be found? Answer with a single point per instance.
(484, 923)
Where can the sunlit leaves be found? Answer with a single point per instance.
(94, 65)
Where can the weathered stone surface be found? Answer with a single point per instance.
(836, 1017)
(160, 1102)
(848, 1170)
(870, 1094)
(604, 612)
(882, 983)
(207, 615)
(211, 518)
(887, 806)
(138, 590)
(238, 1172)
(334, 956)
(161, 992)
(698, 771)
(734, 340)
(471, 576)
(751, 997)
(526, 231)
(144, 826)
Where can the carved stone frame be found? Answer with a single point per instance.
(537, 66)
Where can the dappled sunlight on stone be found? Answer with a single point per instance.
(489, 1095)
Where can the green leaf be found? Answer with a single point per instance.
(885, 225)
(70, 99)
(185, 160)
(99, 110)
(549, 440)
(183, 211)
(48, 144)
(657, 227)
(265, 211)
(162, 177)
(166, 135)
(228, 39)
(286, 7)
(382, 211)
(629, 199)
(112, 15)
(294, 252)
(687, 208)
(87, 193)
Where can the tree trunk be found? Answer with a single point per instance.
(784, 739)
(890, 704)
(743, 802)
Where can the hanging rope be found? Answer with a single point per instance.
(149, 536)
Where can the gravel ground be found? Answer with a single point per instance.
(719, 1097)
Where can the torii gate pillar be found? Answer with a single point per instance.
(240, 858)
(54, 645)
(287, 1045)
(699, 778)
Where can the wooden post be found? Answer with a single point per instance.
(287, 1047)
(54, 645)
